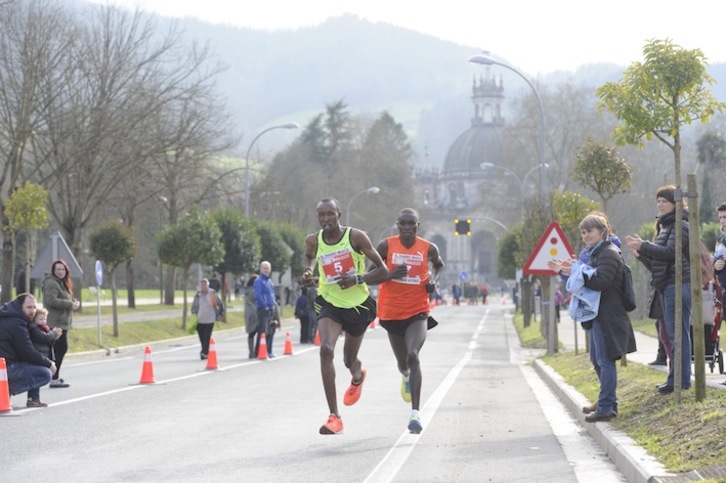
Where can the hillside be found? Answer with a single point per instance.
(425, 82)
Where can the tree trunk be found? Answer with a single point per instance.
(6, 276)
(169, 286)
(114, 301)
(224, 294)
(525, 295)
(131, 294)
(184, 311)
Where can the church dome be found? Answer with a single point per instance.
(479, 144)
(482, 142)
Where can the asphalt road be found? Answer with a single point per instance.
(487, 416)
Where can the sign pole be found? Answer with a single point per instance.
(552, 322)
(99, 281)
(552, 245)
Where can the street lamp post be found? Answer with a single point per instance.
(374, 190)
(488, 60)
(548, 306)
(288, 125)
(165, 201)
(521, 181)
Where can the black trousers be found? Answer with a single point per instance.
(205, 333)
(59, 349)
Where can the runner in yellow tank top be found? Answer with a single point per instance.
(343, 302)
(404, 302)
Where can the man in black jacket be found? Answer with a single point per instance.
(27, 368)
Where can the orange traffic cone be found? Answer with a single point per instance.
(212, 355)
(5, 406)
(288, 345)
(262, 351)
(317, 337)
(147, 371)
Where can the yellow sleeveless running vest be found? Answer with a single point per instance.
(334, 260)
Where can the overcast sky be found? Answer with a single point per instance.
(536, 36)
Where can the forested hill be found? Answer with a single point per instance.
(291, 75)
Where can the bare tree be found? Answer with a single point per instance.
(99, 128)
(34, 44)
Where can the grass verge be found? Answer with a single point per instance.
(682, 437)
(133, 333)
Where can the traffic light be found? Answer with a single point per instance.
(462, 227)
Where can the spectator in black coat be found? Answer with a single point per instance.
(27, 368)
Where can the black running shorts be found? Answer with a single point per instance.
(355, 321)
(398, 327)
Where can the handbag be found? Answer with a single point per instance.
(655, 311)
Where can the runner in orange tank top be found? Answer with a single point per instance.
(403, 302)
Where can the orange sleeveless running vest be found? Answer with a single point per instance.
(406, 297)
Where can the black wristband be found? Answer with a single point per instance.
(360, 279)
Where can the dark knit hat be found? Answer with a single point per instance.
(667, 192)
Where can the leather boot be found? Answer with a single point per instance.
(251, 346)
(589, 409)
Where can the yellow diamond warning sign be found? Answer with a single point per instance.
(552, 245)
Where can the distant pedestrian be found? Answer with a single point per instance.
(303, 315)
(265, 301)
(214, 283)
(251, 315)
(209, 309)
(484, 293)
(456, 294)
(58, 299)
(238, 286)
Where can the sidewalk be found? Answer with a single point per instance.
(632, 460)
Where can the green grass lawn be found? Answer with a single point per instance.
(133, 333)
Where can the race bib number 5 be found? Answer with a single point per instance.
(337, 264)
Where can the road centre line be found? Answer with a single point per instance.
(394, 460)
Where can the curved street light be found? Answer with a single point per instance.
(521, 181)
(287, 125)
(373, 190)
(486, 59)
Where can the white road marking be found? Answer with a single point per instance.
(396, 457)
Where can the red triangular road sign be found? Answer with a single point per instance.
(553, 244)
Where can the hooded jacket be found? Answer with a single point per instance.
(15, 343)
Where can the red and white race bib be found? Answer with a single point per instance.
(337, 264)
(415, 264)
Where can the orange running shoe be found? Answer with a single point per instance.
(333, 426)
(352, 394)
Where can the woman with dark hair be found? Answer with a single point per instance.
(58, 300)
(660, 255)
